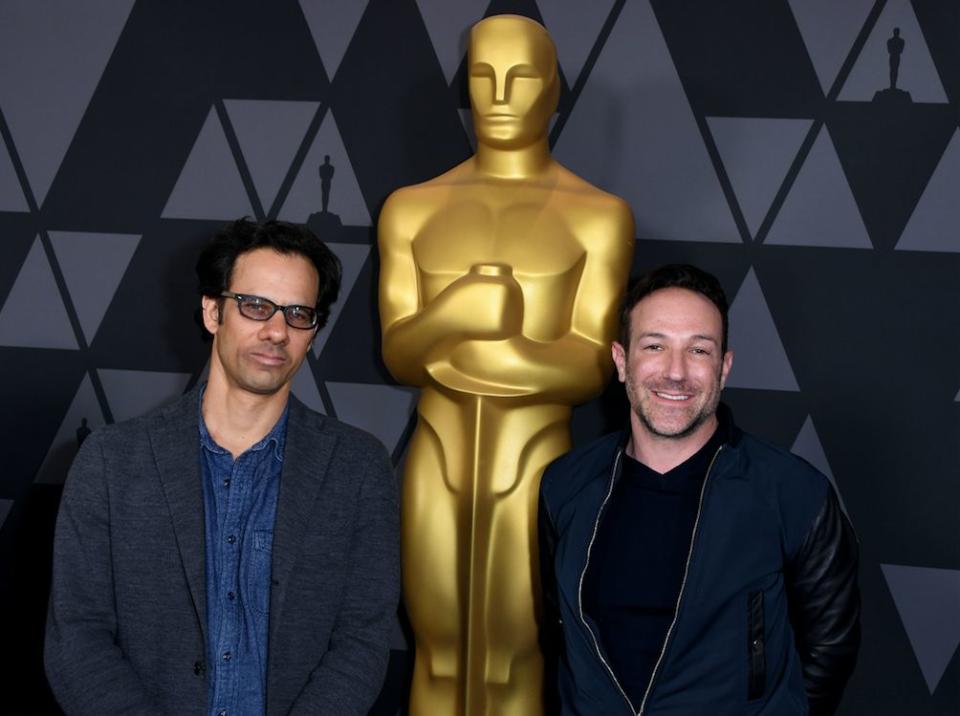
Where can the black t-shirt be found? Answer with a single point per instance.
(637, 562)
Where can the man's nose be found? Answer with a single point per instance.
(275, 328)
(677, 365)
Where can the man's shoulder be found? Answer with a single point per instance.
(349, 437)
(791, 477)
(778, 461)
(121, 434)
(570, 471)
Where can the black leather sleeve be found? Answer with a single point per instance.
(824, 602)
(550, 625)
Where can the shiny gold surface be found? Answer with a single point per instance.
(499, 286)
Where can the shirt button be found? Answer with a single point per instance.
(226, 483)
(231, 596)
(221, 713)
(231, 539)
(227, 656)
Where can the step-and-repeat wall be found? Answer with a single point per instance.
(789, 146)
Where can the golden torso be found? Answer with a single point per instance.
(486, 224)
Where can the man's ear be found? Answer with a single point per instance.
(725, 367)
(619, 359)
(210, 308)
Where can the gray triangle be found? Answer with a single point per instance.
(332, 24)
(33, 294)
(820, 209)
(11, 193)
(757, 154)
(209, 186)
(352, 257)
(656, 160)
(928, 601)
(85, 407)
(871, 73)
(93, 265)
(346, 199)
(829, 29)
(53, 54)
(5, 506)
(448, 25)
(933, 224)
(808, 446)
(269, 133)
(304, 386)
(574, 26)
(131, 393)
(383, 410)
(760, 361)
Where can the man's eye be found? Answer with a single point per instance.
(653, 347)
(700, 351)
(258, 308)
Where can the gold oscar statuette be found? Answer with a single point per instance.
(499, 287)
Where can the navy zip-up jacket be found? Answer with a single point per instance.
(767, 621)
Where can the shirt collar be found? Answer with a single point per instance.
(277, 434)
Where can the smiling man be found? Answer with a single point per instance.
(690, 568)
(234, 552)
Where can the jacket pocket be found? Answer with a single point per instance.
(756, 657)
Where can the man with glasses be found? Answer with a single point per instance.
(233, 552)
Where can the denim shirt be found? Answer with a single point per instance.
(240, 506)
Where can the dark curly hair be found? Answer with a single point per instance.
(216, 262)
(674, 276)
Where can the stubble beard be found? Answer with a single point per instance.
(706, 411)
(248, 376)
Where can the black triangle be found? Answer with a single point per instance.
(413, 92)
(744, 59)
(888, 154)
(940, 22)
(19, 232)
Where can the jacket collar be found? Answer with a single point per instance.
(309, 451)
(176, 450)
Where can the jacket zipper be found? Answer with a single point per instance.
(583, 620)
(683, 584)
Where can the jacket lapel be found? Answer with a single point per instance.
(306, 458)
(176, 448)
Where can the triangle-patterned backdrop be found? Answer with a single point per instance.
(765, 141)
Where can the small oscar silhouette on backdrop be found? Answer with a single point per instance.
(324, 224)
(891, 94)
(83, 432)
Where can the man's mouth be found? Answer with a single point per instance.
(269, 358)
(676, 397)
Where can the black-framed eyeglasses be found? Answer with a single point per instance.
(258, 308)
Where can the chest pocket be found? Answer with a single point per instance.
(256, 577)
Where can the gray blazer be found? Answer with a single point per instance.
(126, 627)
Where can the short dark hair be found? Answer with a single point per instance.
(216, 262)
(674, 276)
